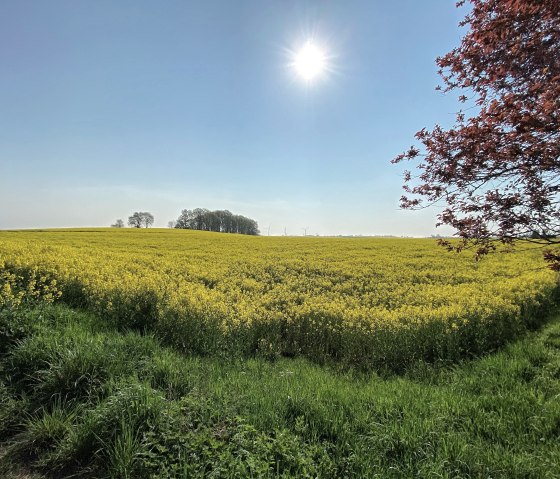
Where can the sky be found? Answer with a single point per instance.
(110, 107)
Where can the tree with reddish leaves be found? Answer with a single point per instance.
(498, 171)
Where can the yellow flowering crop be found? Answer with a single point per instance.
(372, 302)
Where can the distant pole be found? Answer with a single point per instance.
(268, 230)
(285, 234)
(305, 230)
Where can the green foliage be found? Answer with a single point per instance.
(71, 363)
(44, 429)
(9, 411)
(14, 326)
(79, 398)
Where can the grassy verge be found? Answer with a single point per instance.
(80, 399)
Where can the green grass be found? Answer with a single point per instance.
(80, 399)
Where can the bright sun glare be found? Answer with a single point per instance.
(310, 61)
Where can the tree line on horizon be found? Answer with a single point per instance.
(220, 221)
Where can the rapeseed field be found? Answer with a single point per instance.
(370, 302)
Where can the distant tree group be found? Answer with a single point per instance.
(141, 219)
(118, 224)
(222, 221)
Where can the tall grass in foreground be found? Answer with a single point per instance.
(78, 398)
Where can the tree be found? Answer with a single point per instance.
(186, 220)
(223, 221)
(171, 224)
(118, 224)
(141, 219)
(135, 221)
(497, 171)
(200, 220)
(147, 219)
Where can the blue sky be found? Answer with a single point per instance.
(109, 107)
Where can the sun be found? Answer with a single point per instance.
(310, 62)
